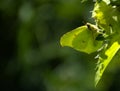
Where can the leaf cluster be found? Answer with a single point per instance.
(101, 37)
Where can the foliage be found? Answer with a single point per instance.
(103, 37)
(31, 58)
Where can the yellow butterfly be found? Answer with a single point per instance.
(83, 39)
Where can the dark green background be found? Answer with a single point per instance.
(31, 58)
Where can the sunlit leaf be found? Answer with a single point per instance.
(101, 12)
(107, 1)
(107, 17)
(110, 53)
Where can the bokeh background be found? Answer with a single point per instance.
(31, 58)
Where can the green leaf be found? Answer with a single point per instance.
(81, 39)
(107, 1)
(107, 18)
(110, 53)
(101, 12)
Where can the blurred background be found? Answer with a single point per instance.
(31, 58)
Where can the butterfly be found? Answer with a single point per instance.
(84, 38)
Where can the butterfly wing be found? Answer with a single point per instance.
(81, 39)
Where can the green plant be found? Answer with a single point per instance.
(101, 37)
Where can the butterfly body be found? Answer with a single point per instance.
(97, 33)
